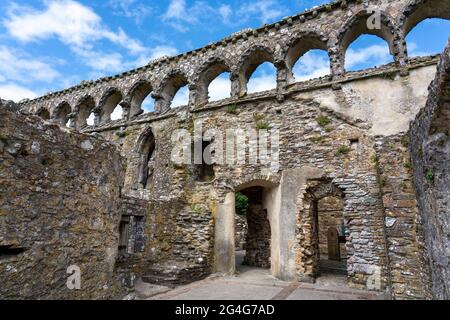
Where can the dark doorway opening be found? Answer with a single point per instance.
(253, 231)
(330, 234)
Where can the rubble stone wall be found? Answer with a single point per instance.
(430, 152)
(59, 206)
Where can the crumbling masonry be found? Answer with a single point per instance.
(108, 198)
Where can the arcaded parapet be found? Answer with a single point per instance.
(430, 151)
(331, 27)
(59, 207)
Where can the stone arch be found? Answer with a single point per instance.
(301, 44)
(109, 101)
(145, 154)
(362, 220)
(206, 74)
(168, 88)
(61, 113)
(43, 113)
(356, 26)
(84, 107)
(250, 61)
(418, 10)
(308, 266)
(136, 96)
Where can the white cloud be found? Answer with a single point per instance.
(375, 55)
(312, 65)
(226, 12)
(220, 88)
(261, 83)
(160, 51)
(415, 51)
(131, 9)
(180, 15)
(69, 21)
(16, 92)
(265, 10)
(20, 67)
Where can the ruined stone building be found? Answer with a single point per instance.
(364, 158)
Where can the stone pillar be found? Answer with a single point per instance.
(224, 250)
(126, 108)
(336, 63)
(235, 85)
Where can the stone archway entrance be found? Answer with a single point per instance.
(261, 240)
(323, 226)
(252, 229)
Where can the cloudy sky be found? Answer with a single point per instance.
(47, 45)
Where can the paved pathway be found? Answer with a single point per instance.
(258, 284)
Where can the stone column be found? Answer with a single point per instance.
(224, 250)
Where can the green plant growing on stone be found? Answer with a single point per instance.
(389, 75)
(190, 126)
(258, 117)
(323, 121)
(407, 165)
(375, 159)
(196, 208)
(341, 150)
(232, 109)
(405, 141)
(404, 186)
(430, 176)
(241, 204)
(262, 125)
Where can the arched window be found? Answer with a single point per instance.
(257, 72)
(61, 114)
(146, 160)
(263, 78)
(358, 46)
(110, 106)
(44, 114)
(140, 98)
(313, 64)
(174, 92)
(367, 51)
(85, 115)
(213, 71)
(307, 57)
(428, 37)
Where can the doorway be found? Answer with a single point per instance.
(252, 229)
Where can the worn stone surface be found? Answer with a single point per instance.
(430, 152)
(340, 135)
(59, 203)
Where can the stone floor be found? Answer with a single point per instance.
(257, 284)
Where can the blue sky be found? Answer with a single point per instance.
(47, 45)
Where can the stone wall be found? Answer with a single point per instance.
(342, 133)
(330, 215)
(59, 206)
(257, 245)
(430, 152)
(403, 226)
